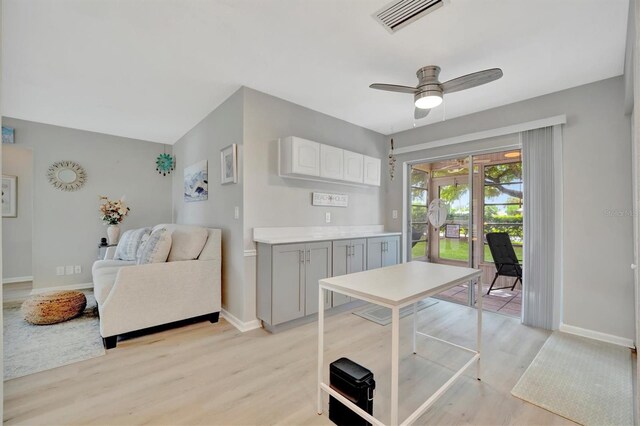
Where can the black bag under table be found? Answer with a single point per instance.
(356, 384)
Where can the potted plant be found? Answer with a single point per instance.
(112, 214)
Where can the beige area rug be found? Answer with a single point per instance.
(584, 380)
(381, 315)
(32, 348)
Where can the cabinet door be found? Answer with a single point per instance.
(374, 252)
(371, 171)
(317, 267)
(391, 251)
(353, 166)
(288, 282)
(305, 157)
(331, 162)
(341, 258)
(358, 258)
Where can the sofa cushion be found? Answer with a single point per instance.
(99, 264)
(103, 281)
(156, 248)
(145, 237)
(187, 241)
(129, 243)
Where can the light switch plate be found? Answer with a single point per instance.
(60, 270)
(77, 269)
(68, 270)
(327, 217)
(394, 214)
(236, 212)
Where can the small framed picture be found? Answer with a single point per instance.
(8, 135)
(452, 231)
(9, 196)
(229, 164)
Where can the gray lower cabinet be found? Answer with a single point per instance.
(288, 277)
(288, 274)
(349, 256)
(383, 251)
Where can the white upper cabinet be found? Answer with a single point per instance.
(331, 162)
(371, 171)
(299, 156)
(353, 170)
(304, 159)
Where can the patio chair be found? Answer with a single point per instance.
(505, 259)
(416, 234)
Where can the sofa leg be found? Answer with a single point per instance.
(213, 318)
(110, 342)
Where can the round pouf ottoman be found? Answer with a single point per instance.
(55, 307)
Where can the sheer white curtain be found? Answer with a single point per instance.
(539, 230)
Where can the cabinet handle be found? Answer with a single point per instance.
(308, 256)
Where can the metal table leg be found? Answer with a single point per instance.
(395, 361)
(320, 345)
(479, 336)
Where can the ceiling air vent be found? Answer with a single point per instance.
(399, 14)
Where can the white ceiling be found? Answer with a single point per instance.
(153, 69)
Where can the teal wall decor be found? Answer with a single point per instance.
(165, 164)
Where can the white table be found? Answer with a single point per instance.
(396, 287)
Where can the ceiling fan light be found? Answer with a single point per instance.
(428, 99)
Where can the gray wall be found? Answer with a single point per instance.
(220, 128)
(271, 200)
(597, 247)
(255, 121)
(66, 227)
(16, 257)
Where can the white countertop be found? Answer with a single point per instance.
(286, 235)
(411, 281)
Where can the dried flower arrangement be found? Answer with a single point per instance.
(112, 212)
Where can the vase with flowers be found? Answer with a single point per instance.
(112, 214)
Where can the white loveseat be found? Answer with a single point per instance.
(134, 297)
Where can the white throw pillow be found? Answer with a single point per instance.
(130, 243)
(156, 248)
(187, 241)
(145, 237)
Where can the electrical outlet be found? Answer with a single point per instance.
(59, 270)
(68, 270)
(77, 269)
(236, 212)
(327, 217)
(394, 214)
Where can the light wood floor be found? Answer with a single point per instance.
(213, 374)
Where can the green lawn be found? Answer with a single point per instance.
(454, 249)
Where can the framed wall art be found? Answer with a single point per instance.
(229, 164)
(196, 182)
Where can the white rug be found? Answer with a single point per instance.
(381, 315)
(31, 348)
(584, 380)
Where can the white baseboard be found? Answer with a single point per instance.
(240, 325)
(596, 335)
(81, 286)
(16, 280)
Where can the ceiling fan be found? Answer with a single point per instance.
(429, 91)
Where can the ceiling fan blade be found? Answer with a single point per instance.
(471, 80)
(419, 113)
(394, 88)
